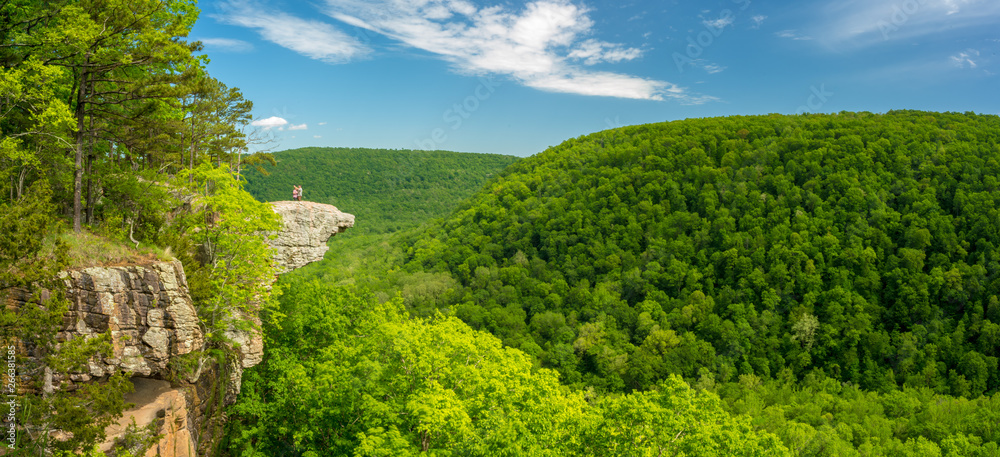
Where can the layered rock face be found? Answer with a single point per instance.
(146, 308)
(307, 227)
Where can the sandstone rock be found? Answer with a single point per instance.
(249, 346)
(146, 308)
(307, 227)
(156, 402)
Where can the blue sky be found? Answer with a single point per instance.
(516, 77)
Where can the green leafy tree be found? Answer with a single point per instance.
(437, 386)
(234, 267)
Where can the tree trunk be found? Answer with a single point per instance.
(89, 218)
(191, 164)
(20, 182)
(239, 164)
(78, 163)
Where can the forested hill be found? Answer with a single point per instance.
(855, 246)
(387, 190)
(832, 278)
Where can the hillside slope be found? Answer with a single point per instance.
(856, 246)
(832, 278)
(388, 190)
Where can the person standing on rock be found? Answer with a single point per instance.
(300, 193)
(295, 193)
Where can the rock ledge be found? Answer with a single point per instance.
(307, 227)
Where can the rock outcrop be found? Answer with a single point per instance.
(146, 308)
(151, 318)
(307, 227)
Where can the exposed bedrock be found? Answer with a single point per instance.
(307, 227)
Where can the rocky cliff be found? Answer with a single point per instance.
(307, 227)
(146, 309)
(152, 320)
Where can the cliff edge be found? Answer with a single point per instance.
(307, 227)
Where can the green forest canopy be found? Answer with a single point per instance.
(387, 190)
(860, 246)
(345, 374)
(833, 277)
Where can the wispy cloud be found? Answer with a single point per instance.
(593, 52)
(862, 23)
(313, 39)
(792, 35)
(709, 67)
(226, 45)
(546, 45)
(298, 127)
(270, 123)
(713, 68)
(966, 65)
(964, 59)
(758, 20)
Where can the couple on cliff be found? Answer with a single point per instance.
(297, 193)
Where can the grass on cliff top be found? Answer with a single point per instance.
(87, 249)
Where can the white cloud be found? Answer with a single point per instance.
(933, 68)
(313, 39)
(713, 68)
(861, 23)
(317, 136)
(322, 123)
(593, 52)
(964, 59)
(719, 23)
(758, 20)
(792, 35)
(269, 123)
(226, 44)
(298, 127)
(542, 45)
